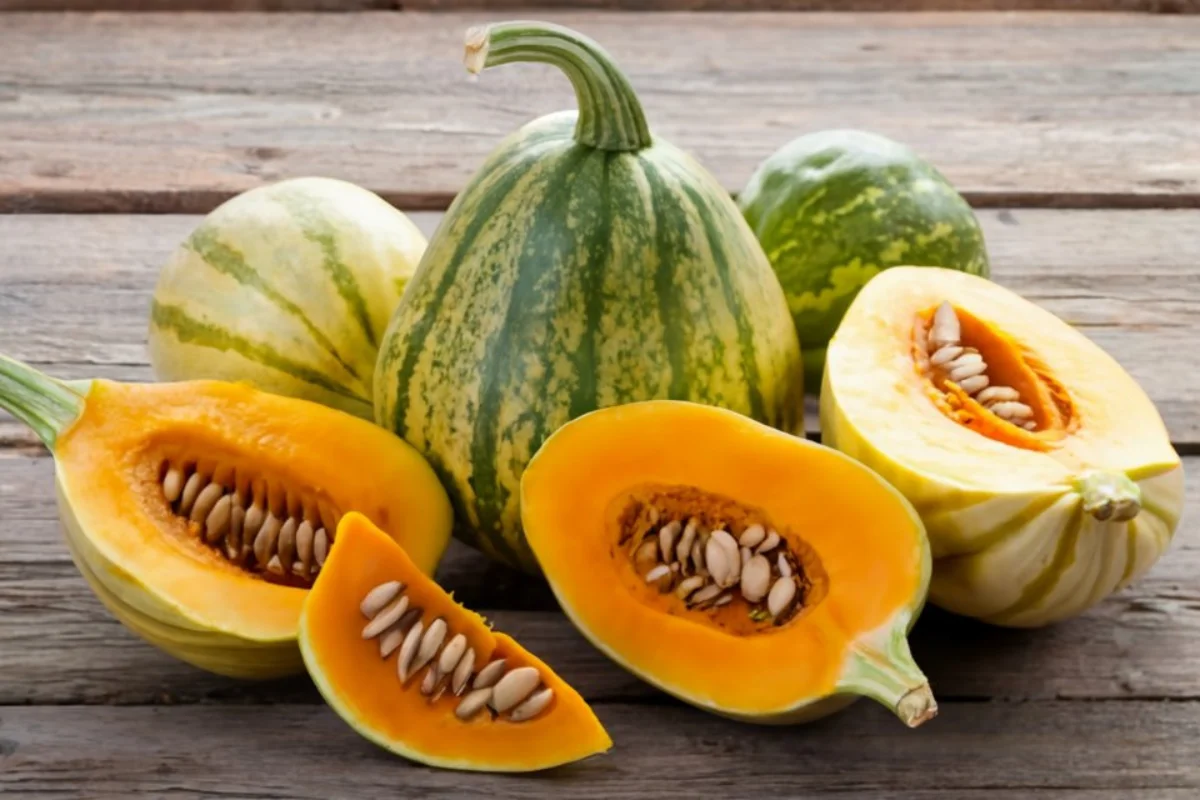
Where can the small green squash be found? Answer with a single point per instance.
(833, 209)
(288, 287)
(587, 264)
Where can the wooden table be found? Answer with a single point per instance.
(1077, 135)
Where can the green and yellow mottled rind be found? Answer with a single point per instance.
(833, 209)
(288, 287)
(567, 278)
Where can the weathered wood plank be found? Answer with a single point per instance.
(58, 645)
(76, 290)
(1150, 6)
(1069, 750)
(174, 111)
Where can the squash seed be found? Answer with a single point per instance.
(782, 594)
(723, 600)
(408, 650)
(462, 673)
(264, 543)
(684, 548)
(945, 328)
(379, 597)
(973, 384)
(217, 522)
(666, 539)
(451, 654)
(432, 677)
(386, 618)
(717, 562)
(275, 566)
(431, 642)
(491, 673)
(646, 554)
(253, 523)
(191, 490)
(514, 687)
(304, 545)
(997, 395)
(320, 547)
(233, 542)
(473, 703)
(756, 578)
(391, 639)
(945, 355)
(286, 545)
(770, 543)
(785, 568)
(205, 502)
(536, 704)
(658, 573)
(705, 595)
(687, 586)
(753, 535)
(1011, 409)
(173, 484)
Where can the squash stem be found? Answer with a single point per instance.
(1109, 496)
(610, 115)
(881, 667)
(44, 404)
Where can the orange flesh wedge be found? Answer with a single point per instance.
(365, 689)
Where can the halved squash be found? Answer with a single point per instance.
(420, 675)
(1043, 472)
(200, 512)
(749, 572)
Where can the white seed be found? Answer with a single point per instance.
(491, 673)
(961, 371)
(191, 490)
(431, 642)
(756, 578)
(753, 535)
(770, 543)
(233, 542)
(408, 650)
(945, 329)
(687, 586)
(1011, 409)
(996, 394)
(441, 690)
(217, 522)
(432, 676)
(785, 567)
(973, 384)
(173, 484)
(730, 547)
(386, 618)
(515, 686)
(783, 593)
(264, 542)
(274, 566)
(287, 541)
(462, 673)
(698, 558)
(253, 523)
(536, 704)
(746, 553)
(304, 544)
(658, 573)
(379, 597)
(705, 595)
(684, 549)
(391, 639)
(451, 653)
(1030, 425)
(647, 553)
(473, 703)
(945, 355)
(206, 501)
(718, 565)
(723, 600)
(410, 618)
(666, 539)
(320, 546)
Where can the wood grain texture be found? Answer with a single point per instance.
(973, 751)
(173, 112)
(76, 290)
(58, 645)
(1148, 6)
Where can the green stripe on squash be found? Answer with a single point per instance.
(585, 265)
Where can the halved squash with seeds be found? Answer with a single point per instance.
(201, 512)
(420, 675)
(1043, 472)
(744, 570)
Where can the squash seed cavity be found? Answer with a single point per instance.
(513, 694)
(712, 559)
(275, 533)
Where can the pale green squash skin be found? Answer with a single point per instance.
(566, 278)
(288, 287)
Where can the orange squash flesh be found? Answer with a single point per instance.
(866, 538)
(365, 689)
(109, 470)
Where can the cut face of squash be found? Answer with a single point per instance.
(413, 671)
(201, 512)
(1043, 473)
(746, 571)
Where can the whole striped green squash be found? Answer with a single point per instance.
(288, 287)
(586, 264)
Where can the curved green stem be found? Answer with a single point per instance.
(41, 402)
(881, 667)
(1110, 496)
(610, 115)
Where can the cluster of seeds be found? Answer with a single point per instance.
(704, 568)
(448, 661)
(289, 544)
(966, 367)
